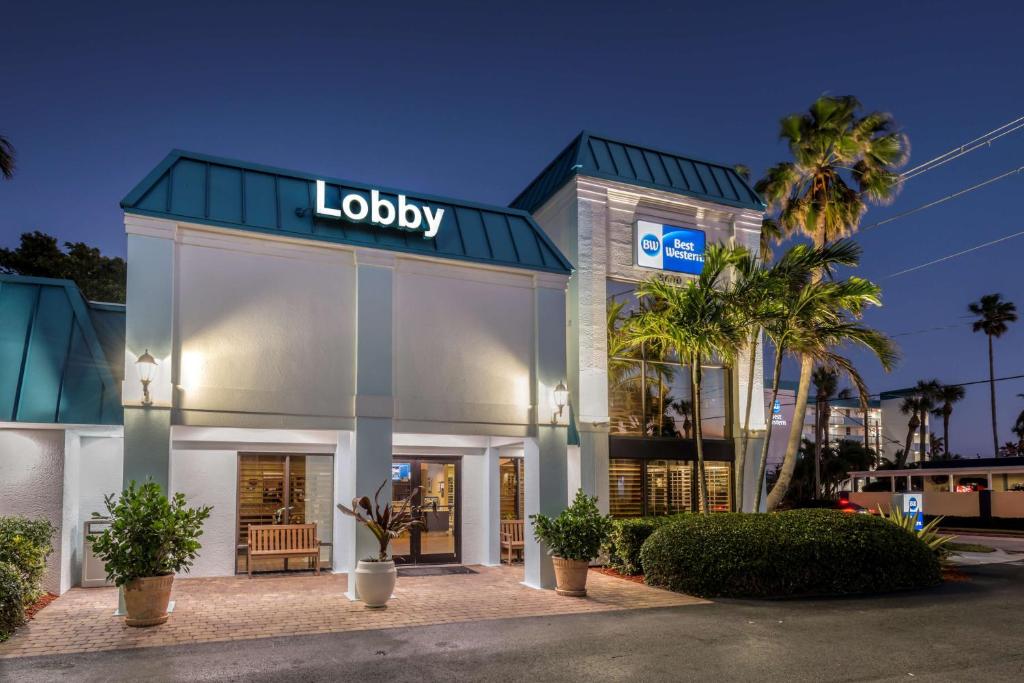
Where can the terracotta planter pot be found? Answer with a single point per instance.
(375, 581)
(146, 600)
(570, 577)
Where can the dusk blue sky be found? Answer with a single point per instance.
(473, 99)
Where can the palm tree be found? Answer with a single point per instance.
(811, 319)
(756, 287)
(1018, 426)
(911, 406)
(826, 382)
(698, 322)
(834, 151)
(927, 391)
(6, 158)
(993, 315)
(946, 396)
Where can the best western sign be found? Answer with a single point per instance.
(400, 214)
(669, 247)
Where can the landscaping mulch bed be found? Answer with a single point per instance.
(954, 575)
(608, 571)
(39, 604)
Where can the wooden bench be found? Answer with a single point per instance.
(284, 541)
(512, 537)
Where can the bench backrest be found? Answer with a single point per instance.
(282, 537)
(514, 528)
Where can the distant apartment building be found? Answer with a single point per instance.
(886, 425)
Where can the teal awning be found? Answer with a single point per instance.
(198, 188)
(61, 357)
(599, 156)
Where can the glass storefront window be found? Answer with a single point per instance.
(668, 486)
(665, 487)
(719, 486)
(625, 488)
(714, 403)
(648, 393)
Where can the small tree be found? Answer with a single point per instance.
(577, 533)
(149, 534)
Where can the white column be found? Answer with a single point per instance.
(545, 454)
(149, 326)
(368, 462)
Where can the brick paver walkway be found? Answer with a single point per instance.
(237, 608)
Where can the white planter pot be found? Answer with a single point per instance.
(375, 582)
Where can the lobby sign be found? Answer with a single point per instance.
(380, 211)
(669, 247)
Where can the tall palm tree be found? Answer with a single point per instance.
(841, 161)
(946, 396)
(7, 155)
(811, 320)
(927, 392)
(911, 406)
(698, 322)
(826, 382)
(993, 315)
(754, 292)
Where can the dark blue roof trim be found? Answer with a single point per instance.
(55, 366)
(598, 156)
(199, 188)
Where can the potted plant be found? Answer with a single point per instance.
(149, 539)
(375, 576)
(573, 539)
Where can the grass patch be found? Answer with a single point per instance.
(969, 548)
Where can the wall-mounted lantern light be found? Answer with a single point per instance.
(561, 397)
(146, 366)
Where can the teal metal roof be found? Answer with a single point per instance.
(61, 357)
(598, 156)
(222, 192)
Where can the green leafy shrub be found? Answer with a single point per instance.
(149, 535)
(627, 538)
(927, 534)
(13, 598)
(577, 533)
(25, 544)
(793, 553)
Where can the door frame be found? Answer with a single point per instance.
(415, 557)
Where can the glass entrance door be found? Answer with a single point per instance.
(437, 540)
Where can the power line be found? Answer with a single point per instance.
(947, 198)
(952, 384)
(955, 255)
(985, 140)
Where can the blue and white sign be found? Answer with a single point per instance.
(669, 247)
(914, 506)
(776, 407)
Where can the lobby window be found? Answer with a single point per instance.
(625, 488)
(510, 476)
(664, 487)
(649, 392)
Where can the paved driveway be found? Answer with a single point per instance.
(966, 631)
(238, 608)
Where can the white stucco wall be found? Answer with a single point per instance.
(265, 327)
(32, 484)
(210, 477)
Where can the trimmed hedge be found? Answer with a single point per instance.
(784, 554)
(24, 546)
(627, 537)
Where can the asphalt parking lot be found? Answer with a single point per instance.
(962, 630)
